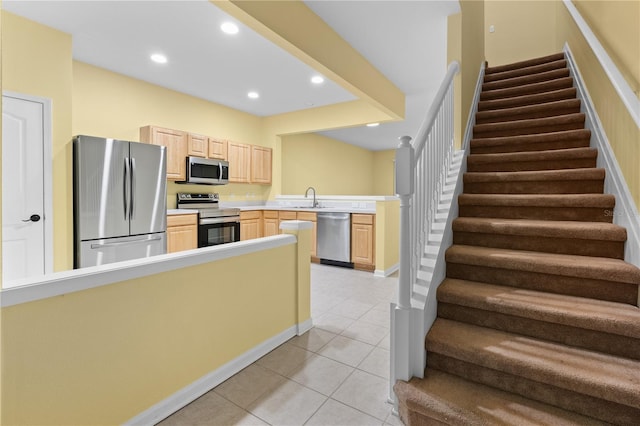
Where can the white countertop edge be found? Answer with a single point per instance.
(309, 209)
(294, 225)
(65, 282)
(171, 212)
(341, 197)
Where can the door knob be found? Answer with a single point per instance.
(32, 218)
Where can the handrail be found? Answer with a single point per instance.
(420, 174)
(421, 138)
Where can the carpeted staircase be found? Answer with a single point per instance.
(537, 319)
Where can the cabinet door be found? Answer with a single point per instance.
(217, 149)
(239, 162)
(176, 143)
(198, 145)
(362, 240)
(250, 225)
(313, 218)
(286, 215)
(260, 164)
(270, 223)
(182, 232)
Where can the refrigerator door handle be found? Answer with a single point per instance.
(125, 192)
(133, 185)
(125, 243)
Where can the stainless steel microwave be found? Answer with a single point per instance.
(205, 171)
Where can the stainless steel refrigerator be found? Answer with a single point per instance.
(119, 199)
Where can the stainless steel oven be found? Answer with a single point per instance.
(215, 225)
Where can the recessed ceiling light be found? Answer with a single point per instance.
(317, 79)
(229, 28)
(373, 124)
(253, 95)
(159, 58)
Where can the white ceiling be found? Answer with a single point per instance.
(405, 40)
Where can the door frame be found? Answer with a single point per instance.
(47, 171)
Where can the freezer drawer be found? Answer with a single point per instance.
(101, 252)
(334, 237)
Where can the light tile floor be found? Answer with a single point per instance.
(335, 374)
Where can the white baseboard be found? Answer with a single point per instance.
(204, 384)
(305, 326)
(625, 213)
(386, 272)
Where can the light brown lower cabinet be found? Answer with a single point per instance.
(182, 232)
(270, 223)
(250, 225)
(363, 241)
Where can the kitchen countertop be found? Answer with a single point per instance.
(310, 209)
(171, 212)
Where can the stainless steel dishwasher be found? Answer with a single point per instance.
(334, 239)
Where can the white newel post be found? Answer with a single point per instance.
(400, 312)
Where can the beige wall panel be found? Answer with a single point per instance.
(330, 166)
(384, 172)
(523, 30)
(473, 51)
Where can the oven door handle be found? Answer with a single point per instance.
(218, 220)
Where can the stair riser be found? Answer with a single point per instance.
(550, 66)
(567, 399)
(413, 418)
(573, 246)
(531, 89)
(583, 214)
(558, 284)
(525, 79)
(477, 147)
(573, 336)
(520, 166)
(527, 100)
(536, 187)
(479, 133)
(551, 112)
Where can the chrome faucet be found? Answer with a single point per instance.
(315, 203)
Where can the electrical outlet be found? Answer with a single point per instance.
(492, 29)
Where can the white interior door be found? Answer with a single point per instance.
(23, 193)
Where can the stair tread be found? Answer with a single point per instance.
(549, 155)
(531, 88)
(542, 228)
(537, 138)
(539, 200)
(535, 175)
(592, 314)
(527, 99)
(561, 63)
(452, 400)
(525, 64)
(528, 123)
(591, 373)
(589, 267)
(527, 109)
(526, 79)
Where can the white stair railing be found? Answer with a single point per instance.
(421, 171)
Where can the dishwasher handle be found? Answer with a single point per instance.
(334, 216)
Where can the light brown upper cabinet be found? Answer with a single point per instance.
(239, 157)
(217, 149)
(198, 145)
(176, 143)
(260, 164)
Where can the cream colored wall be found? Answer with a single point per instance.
(330, 166)
(617, 25)
(621, 130)
(104, 355)
(472, 51)
(113, 105)
(524, 29)
(384, 172)
(36, 60)
(387, 235)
